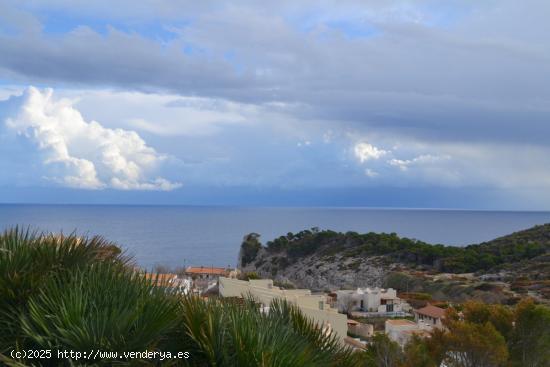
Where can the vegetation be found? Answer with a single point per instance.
(485, 336)
(284, 285)
(81, 294)
(489, 335)
(419, 288)
(383, 352)
(249, 248)
(251, 275)
(505, 250)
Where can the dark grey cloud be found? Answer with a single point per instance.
(457, 92)
(475, 77)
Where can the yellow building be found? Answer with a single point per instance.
(314, 306)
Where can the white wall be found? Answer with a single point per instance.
(371, 298)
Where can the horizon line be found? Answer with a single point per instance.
(359, 207)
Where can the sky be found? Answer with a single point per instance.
(424, 104)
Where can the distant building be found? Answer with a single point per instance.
(429, 316)
(205, 277)
(370, 300)
(426, 318)
(206, 272)
(315, 307)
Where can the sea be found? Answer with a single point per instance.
(176, 236)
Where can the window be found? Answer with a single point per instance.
(321, 305)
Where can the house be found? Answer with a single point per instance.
(426, 318)
(429, 316)
(401, 330)
(377, 300)
(315, 306)
(206, 272)
(205, 277)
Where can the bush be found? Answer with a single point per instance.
(68, 293)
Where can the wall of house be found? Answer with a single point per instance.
(397, 305)
(372, 300)
(364, 330)
(428, 321)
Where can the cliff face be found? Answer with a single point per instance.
(318, 272)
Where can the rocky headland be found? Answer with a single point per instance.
(501, 270)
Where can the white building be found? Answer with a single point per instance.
(313, 306)
(370, 300)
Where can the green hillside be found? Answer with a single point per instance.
(514, 248)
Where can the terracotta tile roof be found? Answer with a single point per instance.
(400, 322)
(206, 270)
(431, 311)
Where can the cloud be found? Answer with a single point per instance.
(430, 71)
(165, 115)
(404, 164)
(82, 154)
(232, 90)
(371, 173)
(365, 151)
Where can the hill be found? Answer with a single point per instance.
(324, 259)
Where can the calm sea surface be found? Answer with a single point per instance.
(180, 235)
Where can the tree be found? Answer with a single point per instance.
(346, 304)
(469, 344)
(249, 248)
(501, 317)
(530, 340)
(383, 352)
(417, 354)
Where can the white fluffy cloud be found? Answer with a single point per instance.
(365, 151)
(81, 154)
